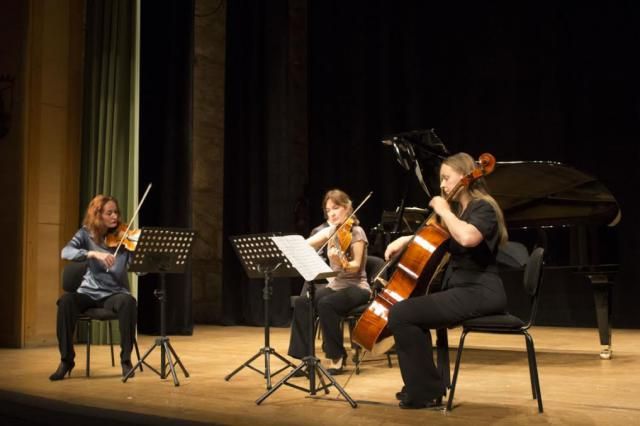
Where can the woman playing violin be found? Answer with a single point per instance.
(105, 283)
(347, 252)
(471, 285)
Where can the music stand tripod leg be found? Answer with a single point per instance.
(166, 347)
(266, 349)
(312, 363)
(140, 362)
(177, 358)
(163, 342)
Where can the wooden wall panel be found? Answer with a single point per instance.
(52, 149)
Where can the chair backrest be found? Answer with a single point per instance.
(72, 275)
(532, 279)
(373, 266)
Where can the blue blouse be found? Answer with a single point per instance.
(97, 282)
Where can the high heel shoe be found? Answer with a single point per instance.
(336, 367)
(126, 367)
(63, 369)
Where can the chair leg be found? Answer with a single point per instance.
(316, 327)
(455, 371)
(534, 393)
(533, 366)
(442, 355)
(360, 359)
(113, 361)
(356, 355)
(89, 331)
(352, 324)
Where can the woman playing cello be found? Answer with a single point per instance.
(471, 285)
(347, 252)
(105, 284)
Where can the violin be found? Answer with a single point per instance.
(127, 237)
(124, 235)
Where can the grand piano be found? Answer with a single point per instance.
(566, 211)
(547, 204)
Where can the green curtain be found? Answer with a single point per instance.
(110, 114)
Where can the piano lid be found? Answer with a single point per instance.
(540, 193)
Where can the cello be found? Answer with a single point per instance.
(422, 258)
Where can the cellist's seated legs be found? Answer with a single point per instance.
(414, 348)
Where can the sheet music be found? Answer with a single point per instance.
(302, 256)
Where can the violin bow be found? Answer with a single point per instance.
(124, 235)
(345, 221)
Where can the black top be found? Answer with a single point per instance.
(472, 264)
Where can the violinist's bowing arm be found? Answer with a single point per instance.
(107, 259)
(319, 238)
(75, 252)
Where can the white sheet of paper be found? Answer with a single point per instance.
(302, 256)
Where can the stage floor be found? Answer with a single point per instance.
(493, 388)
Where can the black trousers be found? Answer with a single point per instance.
(331, 306)
(71, 305)
(411, 320)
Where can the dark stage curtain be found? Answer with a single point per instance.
(165, 148)
(259, 188)
(533, 80)
(523, 80)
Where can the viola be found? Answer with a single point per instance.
(420, 261)
(342, 240)
(341, 237)
(127, 237)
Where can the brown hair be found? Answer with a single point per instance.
(93, 217)
(340, 198)
(464, 164)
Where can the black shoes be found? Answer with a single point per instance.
(408, 404)
(63, 369)
(126, 367)
(337, 367)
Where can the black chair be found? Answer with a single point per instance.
(509, 324)
(72, 275)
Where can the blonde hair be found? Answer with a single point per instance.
(464, 164)
(93, 217)
(340, 198)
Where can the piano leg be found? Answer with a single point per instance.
(602, 287)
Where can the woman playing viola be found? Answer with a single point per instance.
(104, 285)
(471, 285)
(346, 291)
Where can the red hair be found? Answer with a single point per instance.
(93, 217)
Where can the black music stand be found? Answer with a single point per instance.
(261, 258)
(296, 256)
(162, 251)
